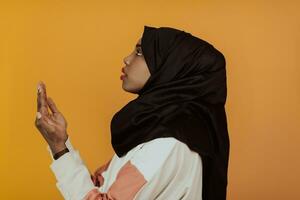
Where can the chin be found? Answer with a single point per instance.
(130, 90)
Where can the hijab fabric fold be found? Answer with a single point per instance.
(183, 98)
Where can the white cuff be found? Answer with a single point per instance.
(70, 147)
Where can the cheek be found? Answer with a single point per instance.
(135, 77)
(138, 72)
(135, 69)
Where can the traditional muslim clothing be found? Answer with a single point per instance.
(184, 98)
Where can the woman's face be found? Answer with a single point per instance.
(136, 71)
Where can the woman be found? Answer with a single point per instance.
(171, 142)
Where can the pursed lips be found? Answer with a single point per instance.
(123, 70)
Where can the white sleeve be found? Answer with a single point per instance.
(73, 178)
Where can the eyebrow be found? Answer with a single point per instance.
(138, 45)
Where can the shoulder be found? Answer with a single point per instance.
(164, 144)
(153, 154)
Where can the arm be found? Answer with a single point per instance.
(135, 179)
(74, 180)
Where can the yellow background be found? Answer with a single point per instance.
(77, 47)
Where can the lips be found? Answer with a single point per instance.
(123, 70)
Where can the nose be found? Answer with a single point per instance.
(125, 60)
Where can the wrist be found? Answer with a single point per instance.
(60, 153)
(57, 148)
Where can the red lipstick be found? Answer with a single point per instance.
(124, 74)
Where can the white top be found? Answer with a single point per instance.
(160, 169)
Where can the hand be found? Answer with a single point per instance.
(52, 125)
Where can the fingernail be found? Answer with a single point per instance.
(39, 87)
(38, 115)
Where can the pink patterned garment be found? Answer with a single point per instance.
(128, 182)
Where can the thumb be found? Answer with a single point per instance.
(52, 105)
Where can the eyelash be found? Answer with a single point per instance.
(138, 53)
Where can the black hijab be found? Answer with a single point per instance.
(184, 98)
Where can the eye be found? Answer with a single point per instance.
(138, 52)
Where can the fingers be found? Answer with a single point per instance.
(43, 118)
(38, 115)
(42, 99)
(52, 105)
(44, 122)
